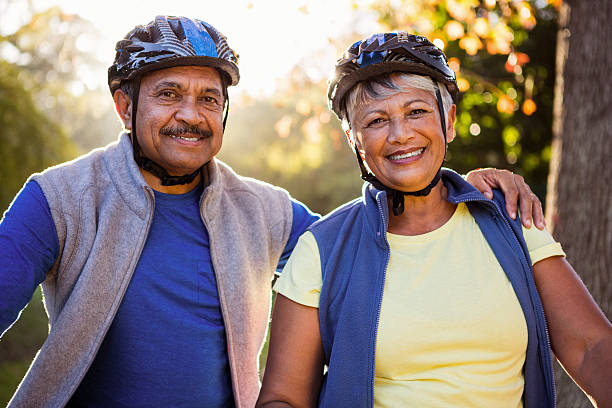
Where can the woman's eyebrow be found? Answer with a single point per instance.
(406, 104)
(410, 102)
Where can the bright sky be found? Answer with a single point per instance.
(270, 36)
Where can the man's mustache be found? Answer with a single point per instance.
(180, 130)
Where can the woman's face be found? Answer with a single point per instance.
(401, 138)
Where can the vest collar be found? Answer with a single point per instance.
(132, 187)
(459, 191)
(126, 176)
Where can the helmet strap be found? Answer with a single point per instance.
(225, 111)
(158, 171)
(397, 196)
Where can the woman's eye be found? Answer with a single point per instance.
(375, 122)
(417, 111)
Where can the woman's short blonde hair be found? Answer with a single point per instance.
(388, 85)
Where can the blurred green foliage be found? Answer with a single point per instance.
(34, 134)
(515, 141)
(30, 140)
(19, 343)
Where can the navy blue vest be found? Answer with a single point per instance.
(354, 256)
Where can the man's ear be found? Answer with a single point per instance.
(450, 127)
(123, 107)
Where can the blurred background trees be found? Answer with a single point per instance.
(48, 115)
(580, 197)
(53, 108)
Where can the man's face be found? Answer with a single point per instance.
(179, 122)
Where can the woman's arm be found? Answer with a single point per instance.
(580, 334)
(294, 369)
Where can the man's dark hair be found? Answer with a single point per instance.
(128, 88)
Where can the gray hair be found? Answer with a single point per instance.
(387, 85)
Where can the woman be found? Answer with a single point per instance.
(423, 292)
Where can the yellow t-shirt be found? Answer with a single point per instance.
(451, 330)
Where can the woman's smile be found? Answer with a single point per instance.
(406, 156)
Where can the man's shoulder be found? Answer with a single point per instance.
(90, 163)
(67, 182)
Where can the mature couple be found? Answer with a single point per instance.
(156, 259)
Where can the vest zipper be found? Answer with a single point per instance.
(532, 288)
(223, 307)
(380, 296)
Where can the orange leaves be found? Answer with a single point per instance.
(454, 30)
(471, 44)
(526, 16)
(481, 27)
(455, 64)
(529, 107)
(303, 107)
(462, 10)
(505, 104)
(476, 24)
(309, 120)
(499, 40)
(438, 42)
(283, 126)
(312, 130)
(516, 59)
(463, 84)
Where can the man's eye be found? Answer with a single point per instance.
(168, 94)
(210, 99)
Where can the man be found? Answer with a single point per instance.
(155, 258)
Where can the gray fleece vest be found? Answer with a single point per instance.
(102, 209)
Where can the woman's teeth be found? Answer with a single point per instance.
(406, 155)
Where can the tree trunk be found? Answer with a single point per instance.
(579, 199)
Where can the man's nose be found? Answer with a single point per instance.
(189, 112)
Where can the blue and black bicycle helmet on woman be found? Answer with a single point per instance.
(163, 43)
(381, 54)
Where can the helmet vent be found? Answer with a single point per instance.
(171, 40)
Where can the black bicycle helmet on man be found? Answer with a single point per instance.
(168, 42)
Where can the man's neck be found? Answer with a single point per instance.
(156, 185)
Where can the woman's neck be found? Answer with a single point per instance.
(422, 214)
